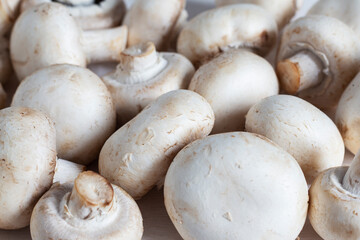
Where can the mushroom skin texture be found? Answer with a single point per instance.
(232, 83)
(46, 34)
(317, 58)
(105, 14)
(143, 75)
(236, 186)
(89, 209)
(27, 163)
(79, 104)
(282, 10)
(155, 21)
(301, 129)
(137, 156)
(222, 29)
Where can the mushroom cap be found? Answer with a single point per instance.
(221, 29)
(153, 20)
(335, 44)
(105, 14)
(137, 156)
(348, 114)
(236, 186)
(232, 83)
(42, 36)
(27, 163)
(282, 10)
(334, 211)
(301, 129)
(53, 219)
(79, 104)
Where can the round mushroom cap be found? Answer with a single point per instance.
(335, 44)
(236, 186)
(27, 163)
(91, 15)
(301, 129)
(110, 212)
(232, 83)
(137, 156)
(79, 104)
(222, 29)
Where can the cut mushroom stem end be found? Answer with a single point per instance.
(67, 171)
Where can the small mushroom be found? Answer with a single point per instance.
(335, 201)
(232, 83)
(91, 209)
(143, 75)
(47, 34)
(90, 14)
(137, 156)
(217, 30)
(156, 21)
(317, 59)
(79, 104)
(236, 186)
(301, 129)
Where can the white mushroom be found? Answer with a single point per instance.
(236, 186)
(301, 129)
(156, 21)
(90, 209)
(79, 104)
(335, 201)
(143, 75)
(47, 34)
(137, 156)
(318, 57)
(90, 14)
(221, 29)
(232, 83)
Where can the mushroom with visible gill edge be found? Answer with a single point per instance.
(90, 14)
(89, 209)
(236, 186)
(317, 58)
(46, 34)
(143, 75)
(78, 102)
(137, 156)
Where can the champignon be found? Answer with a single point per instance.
(143, 75)
(91, 209)
(47, 34)
(90, 14)
(232, 83)
(79, 104)
(236, 186)
(137, 156)
(317, 59)
(301, 129)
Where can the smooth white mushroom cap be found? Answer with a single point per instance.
(137, 156)
(90, 209)
(236, 186)
(27, 163)
(221, 29)
(232, 83)
(142, 75)
(79, 104)
(301, 129)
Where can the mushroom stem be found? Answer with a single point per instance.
(299, 72)
(139, 63)
(66, 171)
(104, 45)
(351, 181)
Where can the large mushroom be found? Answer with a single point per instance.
(47, 34)
(143, 75)
(137, 156)
(236, 186)
(90, 209)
